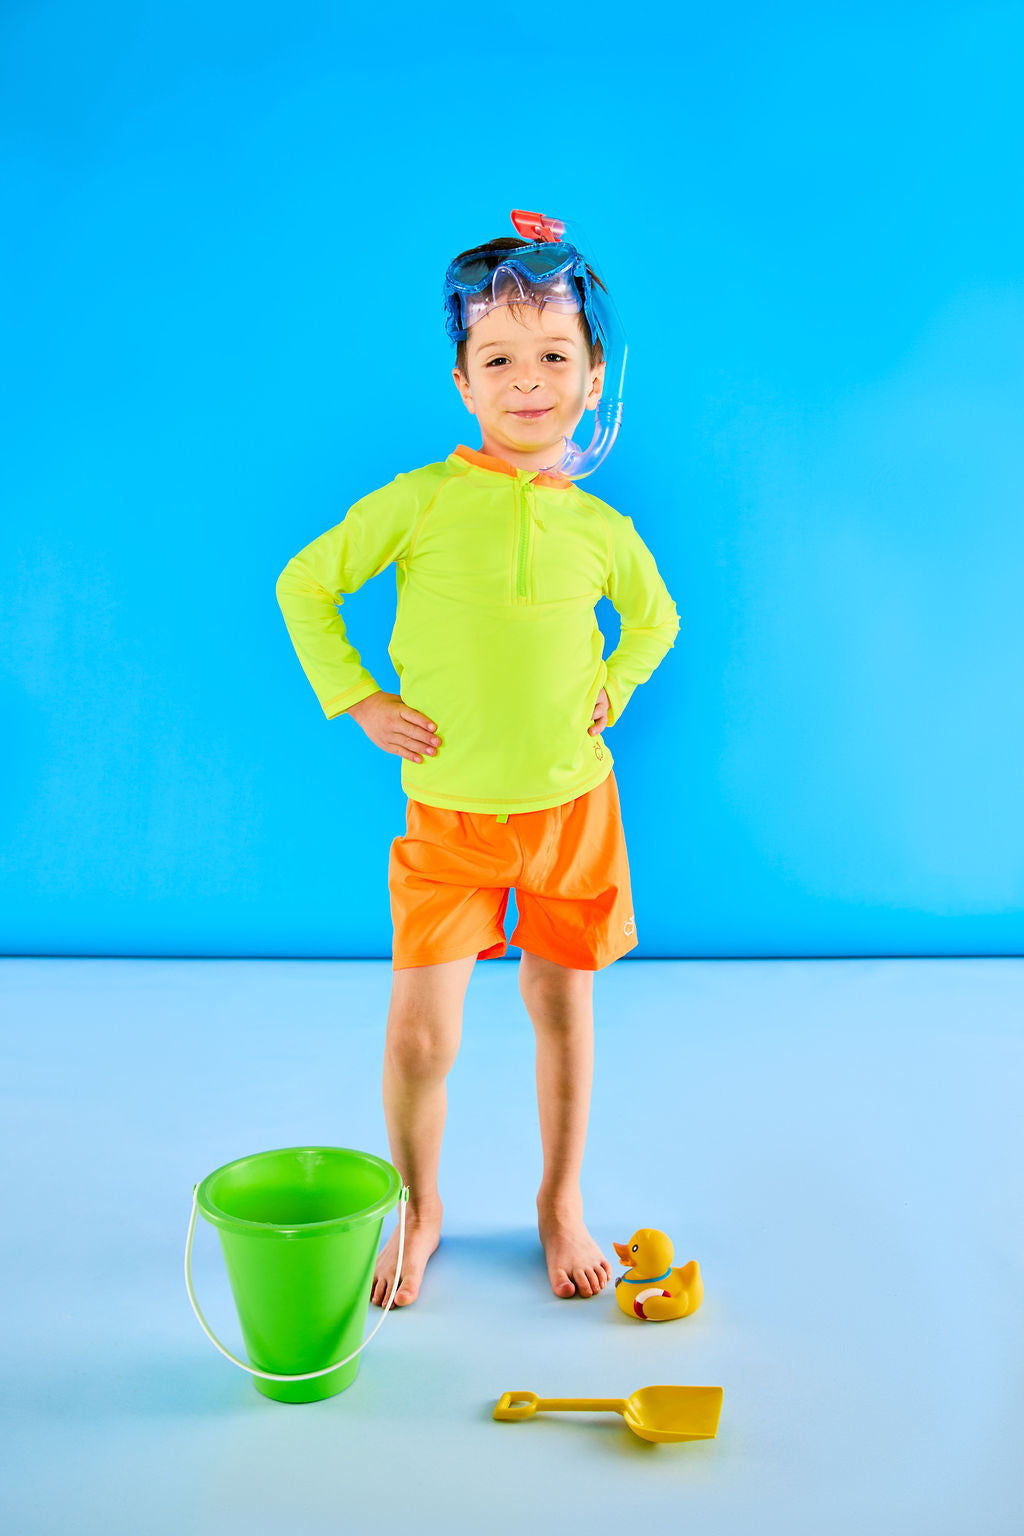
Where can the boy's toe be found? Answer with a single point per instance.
(407, 1291)
(561, 1283)
(583, 1283)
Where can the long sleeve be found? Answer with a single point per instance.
(647, 613)
(376, 531)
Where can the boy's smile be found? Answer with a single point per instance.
(529, 382)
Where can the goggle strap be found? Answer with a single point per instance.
(513, 258)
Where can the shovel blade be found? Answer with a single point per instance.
(674, 1413)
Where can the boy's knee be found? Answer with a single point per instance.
(420, 1046)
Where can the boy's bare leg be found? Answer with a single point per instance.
(423, 1034)
(560, 1002)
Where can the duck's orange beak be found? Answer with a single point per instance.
(623, 1253)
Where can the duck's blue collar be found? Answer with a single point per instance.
(647, 1280)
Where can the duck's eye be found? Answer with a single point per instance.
(635, 1248)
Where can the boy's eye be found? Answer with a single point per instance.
(557, 355)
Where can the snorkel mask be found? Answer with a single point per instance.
(548, 273)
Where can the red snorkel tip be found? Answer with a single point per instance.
(537, 226)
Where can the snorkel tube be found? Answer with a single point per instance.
(605, 324)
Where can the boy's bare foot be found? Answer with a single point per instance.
(575, 1262)
(422, 1235)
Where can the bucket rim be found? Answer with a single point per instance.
(378, 1208)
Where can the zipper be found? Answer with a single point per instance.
(523, 529)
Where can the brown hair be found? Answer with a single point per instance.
(507, 243)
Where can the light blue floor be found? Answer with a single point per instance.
(838, 1142)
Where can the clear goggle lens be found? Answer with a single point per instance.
(507, 287)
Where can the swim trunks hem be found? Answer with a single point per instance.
(581, 963)
(456, 954)
(591, 963)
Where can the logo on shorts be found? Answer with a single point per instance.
(629, 927)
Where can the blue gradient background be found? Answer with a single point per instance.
(222, 325)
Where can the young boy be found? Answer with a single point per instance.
(504, 697)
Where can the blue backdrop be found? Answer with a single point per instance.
(222, 324)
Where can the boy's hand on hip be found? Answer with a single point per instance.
(600, 715)
(394, 727)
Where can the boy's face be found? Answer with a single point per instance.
(530, 361)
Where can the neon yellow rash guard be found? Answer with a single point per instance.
(498, 571)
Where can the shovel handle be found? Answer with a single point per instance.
(523, 1405)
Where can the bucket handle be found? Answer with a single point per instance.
(274, 1375)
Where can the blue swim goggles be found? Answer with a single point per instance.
(548, 271)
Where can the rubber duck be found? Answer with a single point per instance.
(651, 1289)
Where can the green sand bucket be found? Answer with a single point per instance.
(300, 1230)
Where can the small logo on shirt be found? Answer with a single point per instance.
(598, 749)
(629, 927)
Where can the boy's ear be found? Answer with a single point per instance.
(462, 385)
(594, 393)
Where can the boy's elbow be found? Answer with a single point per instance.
(283, 584)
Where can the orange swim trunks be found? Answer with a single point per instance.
(451, 873)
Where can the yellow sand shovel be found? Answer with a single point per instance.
(653, 1413)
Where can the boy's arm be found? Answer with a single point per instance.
(376, 530)
(648, 615)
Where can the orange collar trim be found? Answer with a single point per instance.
(503, 467)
